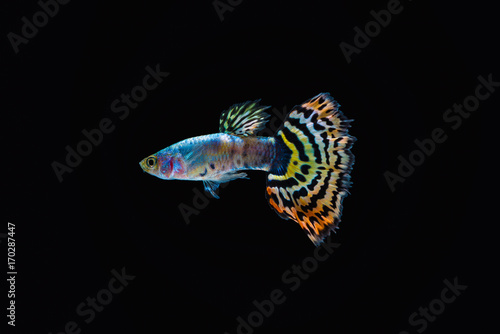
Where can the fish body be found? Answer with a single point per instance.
(213, 157)
(308, 161)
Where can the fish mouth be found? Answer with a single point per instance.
(141, 164)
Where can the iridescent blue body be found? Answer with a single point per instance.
(215, 157)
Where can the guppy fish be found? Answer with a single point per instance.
(307, 162)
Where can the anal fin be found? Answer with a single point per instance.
(226, 177)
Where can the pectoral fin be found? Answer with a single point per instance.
(211, 186)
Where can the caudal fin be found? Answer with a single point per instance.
(310, 175)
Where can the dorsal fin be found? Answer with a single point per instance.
(244, 119)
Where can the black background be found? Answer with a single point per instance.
(396, 247)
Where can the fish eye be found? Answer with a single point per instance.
(151, 162)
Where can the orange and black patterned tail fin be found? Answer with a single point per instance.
(311, 172)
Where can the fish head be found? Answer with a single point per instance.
(165, 165)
